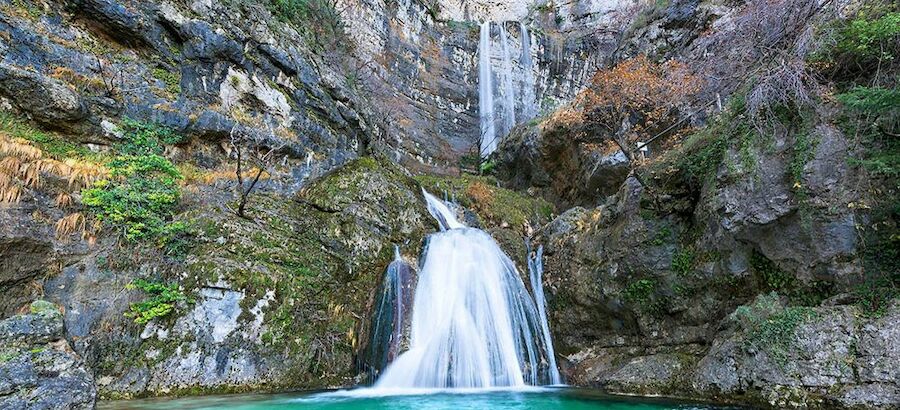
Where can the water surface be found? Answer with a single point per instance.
(537, 398)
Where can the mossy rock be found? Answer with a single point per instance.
(495, 206)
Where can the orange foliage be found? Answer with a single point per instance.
(481, 195)
(636, 98)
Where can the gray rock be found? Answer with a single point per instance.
(45, 99)
(38, 369)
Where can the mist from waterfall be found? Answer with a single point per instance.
(474, 324)
(529, 101)
(507, 93)
(486, 93)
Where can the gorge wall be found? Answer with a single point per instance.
(669, 290)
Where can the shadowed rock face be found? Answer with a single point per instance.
(38, 369)
(22, 260)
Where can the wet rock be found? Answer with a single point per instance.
(552, 160)
(38, 369)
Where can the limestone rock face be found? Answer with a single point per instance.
(38, 369)
(47, 100)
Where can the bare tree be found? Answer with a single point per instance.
(251, 151)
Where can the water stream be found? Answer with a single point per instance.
(474, 324)
(486, 92)
(507, 93)
(529, 101)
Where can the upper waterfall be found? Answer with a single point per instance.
(507, 93)
(529, 102)
(486, 92)
(510, 77)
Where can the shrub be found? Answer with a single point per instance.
(769, 327)
(863, 45)
(142, 192)
(634, 99)
(161, 300)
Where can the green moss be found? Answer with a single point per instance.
(8, 355)
(51, 144)
(171, 79)
(43, 307)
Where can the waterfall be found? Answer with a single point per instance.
(392, 314)
(535, 271)
(486, 92)
(474, 324)
(529, 102)
(508, 97)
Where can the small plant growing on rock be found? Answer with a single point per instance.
(161, 301)
(770, 327)
(250, 151)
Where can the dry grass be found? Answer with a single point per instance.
(24, 166)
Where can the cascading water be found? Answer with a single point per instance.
(509, 98)
(473, 322)
(529, 102)
(486, 92)
(392, 314)
(535, 271)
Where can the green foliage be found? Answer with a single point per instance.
(874, 100)
(774, 278)
(487, 167)
(642, 293)
(863, 45)
(771, 275)
(874, 296)
(769, 327)
(683, 261)
(161, 300)
(318, 20)
(171, 79)
(51, 144)
(141, 196)
(866, 36)
(874, 114)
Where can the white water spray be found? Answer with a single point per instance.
(474, 325)
(508, 97)
(529, 102)
(486, 92)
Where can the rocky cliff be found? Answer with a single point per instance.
(211, 191)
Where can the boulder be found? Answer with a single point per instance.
(38, 369)
(46, 100)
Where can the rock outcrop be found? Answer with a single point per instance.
(38, 369)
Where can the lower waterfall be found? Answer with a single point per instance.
(474, 324)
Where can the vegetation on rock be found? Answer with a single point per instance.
(141, 195)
